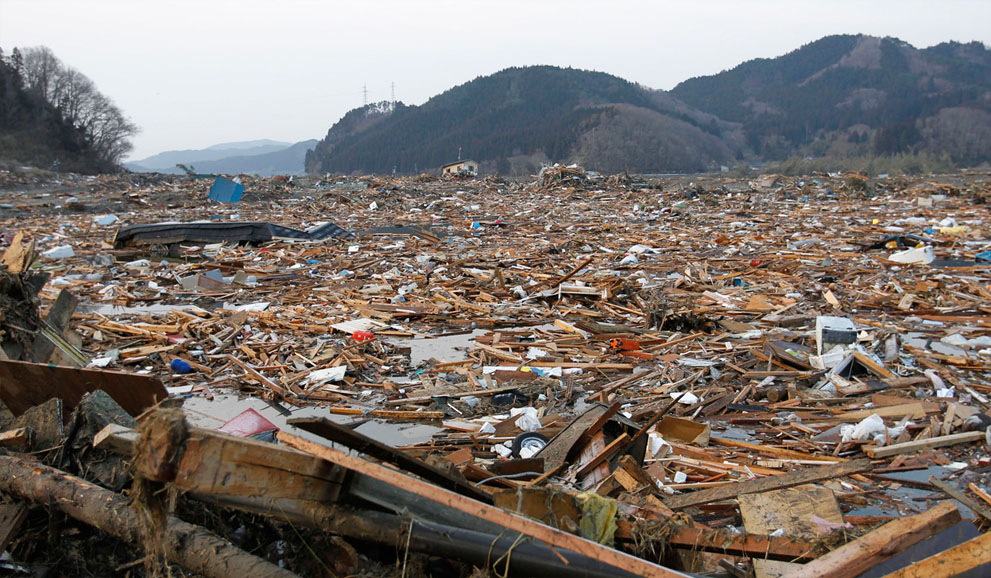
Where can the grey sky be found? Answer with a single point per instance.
(193, 74)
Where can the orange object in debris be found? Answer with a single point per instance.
(624, 344)
(362, 336)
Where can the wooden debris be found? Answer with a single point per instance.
(858, 556)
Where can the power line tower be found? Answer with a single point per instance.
(364, 93)
(393, 94)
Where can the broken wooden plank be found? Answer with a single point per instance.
(229, 469)
(936, 442)
(24, 385)
(550, 536)
(774, 451)
(796, 478)
(870, 549)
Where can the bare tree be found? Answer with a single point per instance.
(80, 103)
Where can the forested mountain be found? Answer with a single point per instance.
(513, 120)
(35, 133)
(854, 95)
(837, 97)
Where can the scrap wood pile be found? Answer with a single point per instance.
(784, 376)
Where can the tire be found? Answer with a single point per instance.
(528, 439)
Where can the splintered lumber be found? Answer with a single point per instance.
(857, 557)
(557, 451)
(952, 562)
(351, 439)
(13, 437)
(508, 520)
(773, 451)
(602, 456)
(276, 389)
(796, 478)
(936, 442)
(190, 546)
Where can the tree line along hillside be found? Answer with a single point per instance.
(879, 93)
(52, 114)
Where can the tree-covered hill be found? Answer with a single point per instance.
(521, 116)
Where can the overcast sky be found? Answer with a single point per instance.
(194, 74)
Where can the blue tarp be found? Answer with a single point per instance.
(226, 190)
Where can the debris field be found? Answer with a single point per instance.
(577, 375)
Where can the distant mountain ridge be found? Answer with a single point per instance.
(515, 119)
(169, 159)
(260, 157)
(837, 97)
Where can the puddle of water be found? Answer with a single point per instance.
(211, 414)
(444, 349)
(907, 495)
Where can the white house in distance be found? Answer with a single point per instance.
(465, 167)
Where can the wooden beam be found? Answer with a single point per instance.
(783, 548)
(875, 547)
(509, 520)
(952, 562)
(796, 478)
(359, 442)
(936, 442)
